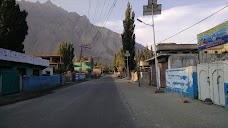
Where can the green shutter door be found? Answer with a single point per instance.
(10, 82)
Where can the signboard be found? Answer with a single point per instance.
(147, 10)
(213, 37)
(127, 53)
(9, 55)
(150, 2)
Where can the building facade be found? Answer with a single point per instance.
(55, 60)
(213, 63)
(171, 55)
(14, 66)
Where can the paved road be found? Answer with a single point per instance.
(92, 104)
(112, 103)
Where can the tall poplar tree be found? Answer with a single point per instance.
(128, 36)
(13, 26)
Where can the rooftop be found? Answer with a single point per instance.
(47, 55)
(13, 56)
(176, 47)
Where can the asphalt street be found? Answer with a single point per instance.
(91, 104)
(110, 102)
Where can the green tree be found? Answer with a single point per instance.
(119, 60)
(128, 36)
(142, 55)
(13, 26)
(66, 50)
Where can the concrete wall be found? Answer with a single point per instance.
(182, 60)
(182, 81)
(213, 57)
(35, 83)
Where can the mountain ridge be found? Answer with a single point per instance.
(49, 25)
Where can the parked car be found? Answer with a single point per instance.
(119, 75)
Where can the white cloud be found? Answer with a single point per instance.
(172, 21)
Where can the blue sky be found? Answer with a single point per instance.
(176, 15)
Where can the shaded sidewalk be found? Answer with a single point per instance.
(21, 96)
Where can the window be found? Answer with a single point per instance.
(22, 71)
(36, 72)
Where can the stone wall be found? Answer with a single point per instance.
(182, 60)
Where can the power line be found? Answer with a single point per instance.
(218, 24)
(101, 28)
(193, 24)
(104, 23)
(107, 17)
(88, 17)
(95, 12)
(98, 20)
(192, 40)
(102, 10)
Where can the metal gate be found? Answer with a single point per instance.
(10, 81)
(211, 81)
(203, 81)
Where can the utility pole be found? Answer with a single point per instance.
(127, 54)
(153, 9)
(80, 57)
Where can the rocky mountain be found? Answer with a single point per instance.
(50, 24)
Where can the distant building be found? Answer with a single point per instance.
(97, 70)
(55, 60)
(87, 67)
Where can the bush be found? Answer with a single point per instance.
(59, 71)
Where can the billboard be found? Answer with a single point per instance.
(213, 37)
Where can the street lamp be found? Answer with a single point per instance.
(153, 9)
(145, 23)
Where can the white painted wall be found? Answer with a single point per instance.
(50, 69)
(177, 75)
(211, 79)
